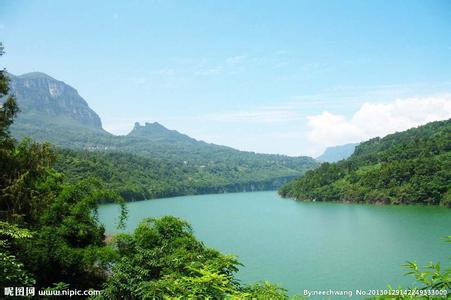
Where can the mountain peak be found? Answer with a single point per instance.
(150, 125)
(39, 93)
(156, 131)
(150, 128)
(36, 75)
(336, 153)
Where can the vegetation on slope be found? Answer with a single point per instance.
(52, 111)
(135, 177)
(163, 259)
(408, 167)
(50, 237)
(142, 167)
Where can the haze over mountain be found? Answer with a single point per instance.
(336, 153)
(53, 111)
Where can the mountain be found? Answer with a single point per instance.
(407, 167)
(43, 96)
(336, 153)
(136, 177)
(158, 133)
(53, 111)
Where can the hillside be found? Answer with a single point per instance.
(135, 177)
(336, 153)
(407, 167)
(53, 111)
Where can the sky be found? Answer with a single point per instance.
(289, 77)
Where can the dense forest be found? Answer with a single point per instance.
(50, 237)
(151, 161)
(136, 178)
(51, 240)
(410, 167)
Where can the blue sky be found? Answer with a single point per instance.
(269, 76)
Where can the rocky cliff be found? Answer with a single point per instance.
(38, 93)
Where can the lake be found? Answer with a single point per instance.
(306, 245)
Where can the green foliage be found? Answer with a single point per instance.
(151, 161)
(265, 290)
(12, 270)
(430, 276)
(50, 236)
(68, 243)
(8, 108)
(48, 231)
(409, 167)
(430, 279)
(136, 178)
(142, 168)
(62, 244)
(162, 259)
(13, 231)
(26, 168)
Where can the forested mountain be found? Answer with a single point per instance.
(413, 166)
(50, 237)
(336, 153)
(135, 177)
(53, 111)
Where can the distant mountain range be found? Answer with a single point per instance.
(336, 153)
(53, 111)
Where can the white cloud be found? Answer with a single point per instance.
(375, 119)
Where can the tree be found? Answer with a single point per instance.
(162, 258)
(48, 229)
(8, 109)
(12, 271)
(406, 167)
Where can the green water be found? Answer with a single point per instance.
(300, 245)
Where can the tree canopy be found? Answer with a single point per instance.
(50, 236)
(410, 167)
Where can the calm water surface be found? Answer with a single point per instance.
(306, 245)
